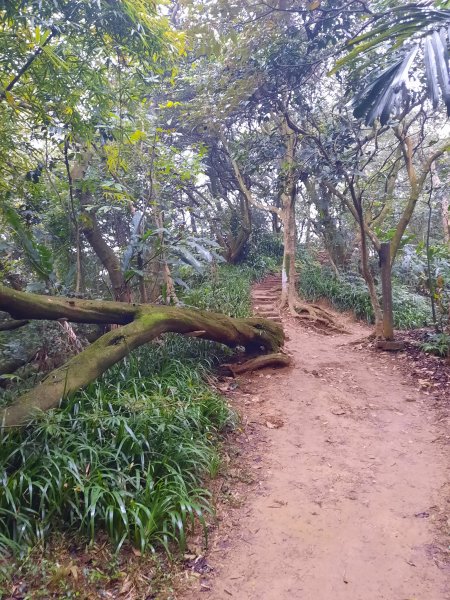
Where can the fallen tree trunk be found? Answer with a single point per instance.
(9, 325)
(142, 323)
(10, 365)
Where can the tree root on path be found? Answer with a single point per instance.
(318, 318)
(268, 360)
(364, 340)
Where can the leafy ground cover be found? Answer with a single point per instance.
(424, 358)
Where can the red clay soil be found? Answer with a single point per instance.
(347, 495)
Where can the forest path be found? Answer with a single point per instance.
(352, 485)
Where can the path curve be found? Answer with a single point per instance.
(353, 483)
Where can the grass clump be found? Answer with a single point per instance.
(126, 456)
(349, 292)
(129, 454)
(226, 289)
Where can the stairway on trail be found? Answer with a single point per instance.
(266, 298)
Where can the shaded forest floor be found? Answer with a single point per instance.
(337, 484)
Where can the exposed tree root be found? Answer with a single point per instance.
(364, 340)
(317, 317)
(268, 360)
(10, 365)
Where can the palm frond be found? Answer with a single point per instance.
(401, 33)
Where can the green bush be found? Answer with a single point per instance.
(437, 344)
(264, 253)
(227, 288)
(411, 310)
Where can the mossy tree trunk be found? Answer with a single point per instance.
(141, 324)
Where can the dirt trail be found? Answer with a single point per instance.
(353, 486)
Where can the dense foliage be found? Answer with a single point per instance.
(347, 291)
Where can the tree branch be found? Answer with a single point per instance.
(26, 66)
(242, 186)
(373, 237)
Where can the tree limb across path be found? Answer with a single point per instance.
(141, 324)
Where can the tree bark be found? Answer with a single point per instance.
(9, 324)
(367, 274)
(141, 324)
(106, 256)
(386, 282)
(289, 272)
(288, 199)
(333, 239)
(10, 365)
(445, 219)
(236, 243)
(416, 179)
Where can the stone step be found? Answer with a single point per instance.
(265, 298)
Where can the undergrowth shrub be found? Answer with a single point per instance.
(349, 292)
(264, 253)
(437, 344)
(127, 455)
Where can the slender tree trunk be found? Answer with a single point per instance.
(308, 228)
(79, 283)
(142, 287)
(234, 245)
(445, 219)
(89, 227)
(288, 272)
(367, 274)
(288, 198)
(333, 239)
(106, 256)
(276, 223)
(386, 282)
